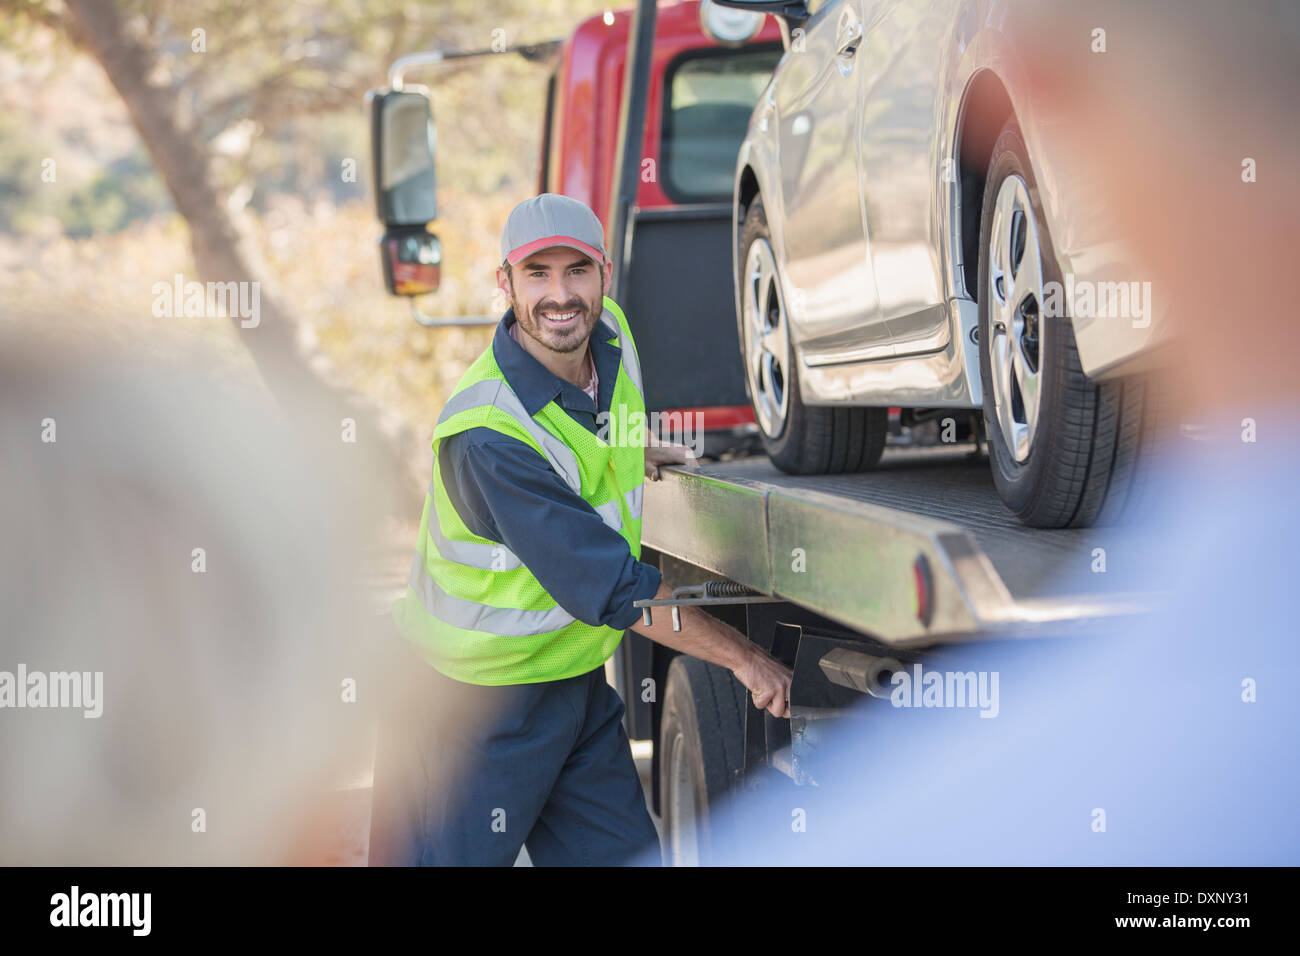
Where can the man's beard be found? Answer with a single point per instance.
(568, 339)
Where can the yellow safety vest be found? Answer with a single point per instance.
(471, 608)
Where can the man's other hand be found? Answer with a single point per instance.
(656, 455)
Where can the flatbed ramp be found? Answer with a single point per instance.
(919, 550)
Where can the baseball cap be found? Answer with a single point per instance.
(551, 220)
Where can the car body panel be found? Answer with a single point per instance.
(917, 63)
(828, 277)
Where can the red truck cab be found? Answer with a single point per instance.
(678, 295)
(585, 91)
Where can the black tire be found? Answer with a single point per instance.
(814, 440)
(1088, 437)
(703, 723)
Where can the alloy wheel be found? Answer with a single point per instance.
(767, 339)
(1015, 317)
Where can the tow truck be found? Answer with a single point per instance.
(845, 578)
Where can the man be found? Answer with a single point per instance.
(526, 571)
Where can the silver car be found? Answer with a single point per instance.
(909, 233)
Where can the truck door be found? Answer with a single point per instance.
(680, 298)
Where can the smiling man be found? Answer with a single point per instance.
(524, 578)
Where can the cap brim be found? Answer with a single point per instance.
(546, 242)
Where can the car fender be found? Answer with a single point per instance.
(1087, 248)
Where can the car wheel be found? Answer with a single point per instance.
(800, 439)
(1063, 450)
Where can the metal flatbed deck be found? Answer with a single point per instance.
(847, 546)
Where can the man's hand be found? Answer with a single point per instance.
(768, 681)
(656, 455)
(704, 636)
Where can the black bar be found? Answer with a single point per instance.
(975, 904)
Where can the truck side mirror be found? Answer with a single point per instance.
(402, 138)
(402, 142)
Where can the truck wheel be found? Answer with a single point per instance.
(800, 439)
(1060, 447)
(702, 753)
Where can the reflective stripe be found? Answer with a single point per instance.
(475, 554)
(496, 392)
(497, 557)
(609, 512)
(562, 458)
(631, 364)
(633, 499)
(472, 616)
(610, 515)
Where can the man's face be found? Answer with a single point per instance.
(557, 296)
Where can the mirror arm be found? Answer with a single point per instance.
(533, 52)
(398, 70)
(439, 321)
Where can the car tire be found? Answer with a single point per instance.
(800, 439)
(1071, 461)
(702, 756)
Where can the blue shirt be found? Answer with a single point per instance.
(507, 492)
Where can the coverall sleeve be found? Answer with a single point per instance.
(507, 492)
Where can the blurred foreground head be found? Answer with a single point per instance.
(1187, 125)
(166, 528)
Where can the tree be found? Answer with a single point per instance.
(196, 76)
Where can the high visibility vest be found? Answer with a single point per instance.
(471, 608)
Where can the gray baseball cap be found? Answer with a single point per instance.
(551, 220)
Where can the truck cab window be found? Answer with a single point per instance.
(707, 105)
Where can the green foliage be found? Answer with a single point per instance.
(277, 89)
(102, 200)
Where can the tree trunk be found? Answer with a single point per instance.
(221, 254)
